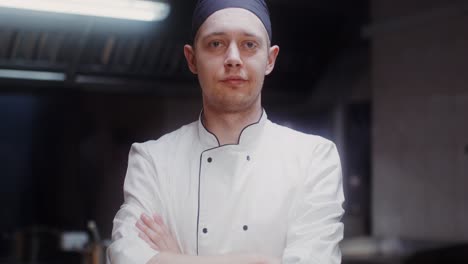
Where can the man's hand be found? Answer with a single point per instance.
(154, 232)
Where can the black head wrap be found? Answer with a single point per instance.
(205, 8)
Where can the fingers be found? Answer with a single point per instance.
(158, 219)
(169, 238)
(152, 230)
(145, 238)
(146, 234)
(154, 226)
(156, 234)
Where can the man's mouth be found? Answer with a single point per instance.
(234, 80)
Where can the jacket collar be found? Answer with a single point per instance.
(247, 138)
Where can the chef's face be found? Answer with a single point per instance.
(231, 56)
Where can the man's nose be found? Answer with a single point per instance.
(233, 58)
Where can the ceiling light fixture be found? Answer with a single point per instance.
(32, 75)
(122, 9)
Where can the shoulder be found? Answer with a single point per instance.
(167, 142)
(290, 138)
(299, 147)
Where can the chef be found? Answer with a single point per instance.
(231, 187)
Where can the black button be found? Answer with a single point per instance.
(205, 230)
(210, 159)
(248, 158)
(245, 228)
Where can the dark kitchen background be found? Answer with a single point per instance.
(387, 80)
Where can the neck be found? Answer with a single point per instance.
(227, 126)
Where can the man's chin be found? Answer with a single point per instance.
(236, 106)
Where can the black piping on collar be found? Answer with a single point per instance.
(240, 134)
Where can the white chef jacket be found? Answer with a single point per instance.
(278, 192)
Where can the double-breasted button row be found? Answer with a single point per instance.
(205, 230)
(210, 159)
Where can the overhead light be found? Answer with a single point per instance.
(32, 75)
(122, 9)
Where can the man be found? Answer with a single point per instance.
(232, 187)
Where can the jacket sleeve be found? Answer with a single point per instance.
(141, 195)
(315, 229)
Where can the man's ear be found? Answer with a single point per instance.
(189, 53)
(272, 55)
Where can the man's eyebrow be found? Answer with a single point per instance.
(212, 34)
(220, 33)
(248, 34)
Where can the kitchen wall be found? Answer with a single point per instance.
(420, 115)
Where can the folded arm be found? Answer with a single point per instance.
(314, 232)
(315, 229)
(141, 195)
(131, 243)
(156, 234)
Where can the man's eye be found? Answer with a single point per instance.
(250, 45)
(215, 44)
